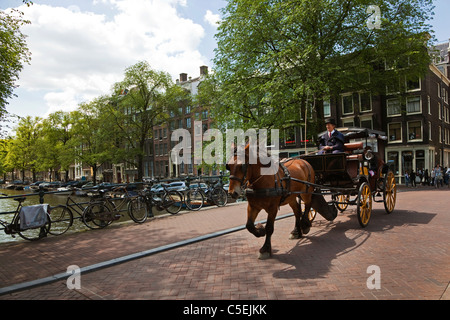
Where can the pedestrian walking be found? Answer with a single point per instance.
(419, 176)
(433, 176)
(406, 179)
(437, 176)
(447, 173)
(413, 179)
(426, 178)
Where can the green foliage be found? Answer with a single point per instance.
(13, 54)
(143, 99)
(274, 57)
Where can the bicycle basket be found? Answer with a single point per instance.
(32, 217)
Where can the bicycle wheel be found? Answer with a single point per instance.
(61, 218)
(194, 199)
(34, 233)
(138, 209)
(95, 216)
(172, 201)
(219, 197)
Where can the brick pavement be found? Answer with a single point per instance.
(409, 246)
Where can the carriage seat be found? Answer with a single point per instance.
(358, 157)
(350, 147)
(353, 160)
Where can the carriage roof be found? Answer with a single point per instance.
(359, 133)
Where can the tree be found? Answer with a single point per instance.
(90, 136)
(22, 151)
(141, 101)
(13, 53)
(274, 58)
(56, 148)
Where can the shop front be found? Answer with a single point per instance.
(407, 158)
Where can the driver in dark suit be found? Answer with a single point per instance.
(332, 141)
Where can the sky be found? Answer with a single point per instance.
(80, 48)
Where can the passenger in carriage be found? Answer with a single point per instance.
(332, 141)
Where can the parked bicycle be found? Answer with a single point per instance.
(62, 215)
(107, 207)
(165, 199)
(29, 222)
(102, 209)
(199, 193)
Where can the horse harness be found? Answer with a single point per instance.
(278, 190)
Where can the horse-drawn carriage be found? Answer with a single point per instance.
(358, 172)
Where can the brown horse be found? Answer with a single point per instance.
(269, 192)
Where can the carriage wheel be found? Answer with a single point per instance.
(343, 202)
(389, 192)
(364, 205)
(311, 214)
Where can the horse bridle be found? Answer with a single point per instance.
(241, 180)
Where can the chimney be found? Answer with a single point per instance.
(203, 70)
(183, 77)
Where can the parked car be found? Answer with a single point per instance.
(203, 186)
(88, 185)
(50, 185)
(179, 185)
(157, 188)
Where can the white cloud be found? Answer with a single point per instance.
(78, 55)
(211, 18)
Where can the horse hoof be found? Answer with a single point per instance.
(264, 256)
(295, 236)
(306, 230)
(261, 230)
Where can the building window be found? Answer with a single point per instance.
(413, 85)
(429, 131)
(393, 107)
(447, 115)
(413, 105)
(347, 104)
(394, 87)
(414, 130)
(395, 132)
(348, 123)
(326, 108)
(290, 137)
(393, 159)
(366, 123)
(429, 105)
(365, 102)
(188, 123)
